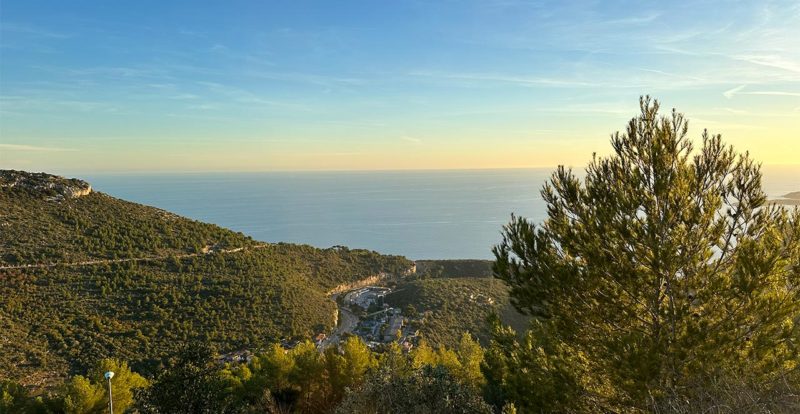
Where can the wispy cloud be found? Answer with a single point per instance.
(501, 78)
(735, 111)
(119, 72)
(772, 93)
(309, 78)
(204, 107)
(506, 69)
(772, 61)
(36, 103)
(243, 96)
(191, 33)
(635, 20)
(739, 90)
(675, 75)
(730, 93)
(34, 31)
(184, 96)
(32, 148)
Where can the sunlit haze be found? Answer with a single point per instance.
(88, 86)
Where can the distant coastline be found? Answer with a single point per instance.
(418, 214)
(790, 199)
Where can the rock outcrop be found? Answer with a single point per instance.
(50, 186)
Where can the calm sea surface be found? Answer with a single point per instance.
(419, 214)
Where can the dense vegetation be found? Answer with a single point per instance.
(454, 268)
(661, 280)
(59, 320)
(348, 379)
(449, 306)
(37, 230)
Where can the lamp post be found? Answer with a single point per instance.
(109, 375)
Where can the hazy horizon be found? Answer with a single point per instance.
(335, 207)
(433, 214)
(83, 174)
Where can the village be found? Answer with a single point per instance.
(364, 313)
(379, 323)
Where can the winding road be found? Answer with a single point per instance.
(132, 259)
(347, 322)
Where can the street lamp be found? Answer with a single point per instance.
(109, 375)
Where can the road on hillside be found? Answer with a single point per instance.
(131, 259)
(347, 323)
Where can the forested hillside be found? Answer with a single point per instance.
(201, 282)
(42, 225)
(448, 307)
(455, 268)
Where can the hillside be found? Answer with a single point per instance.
(50, 220)
(154, 280)
(455, 268)
(790, 199)
(454, 296)
(450, 306)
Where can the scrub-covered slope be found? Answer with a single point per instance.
(85, 276)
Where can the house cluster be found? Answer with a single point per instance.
(242, 356)
(383, 326)
(365, 297)
(387, 326)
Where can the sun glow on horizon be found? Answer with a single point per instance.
(318, 86)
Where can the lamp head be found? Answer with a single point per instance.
(109, 375)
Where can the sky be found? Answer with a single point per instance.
(112, 86)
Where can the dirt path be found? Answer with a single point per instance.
(132, 259)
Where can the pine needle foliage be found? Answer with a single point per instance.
(662, 266)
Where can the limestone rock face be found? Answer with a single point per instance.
(49, 186)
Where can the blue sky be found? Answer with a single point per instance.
(234, 85)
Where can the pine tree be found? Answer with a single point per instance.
(192, 384)
(663, 267)
(90, 394)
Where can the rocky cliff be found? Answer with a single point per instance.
(50, 186)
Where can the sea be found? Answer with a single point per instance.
(434, 214)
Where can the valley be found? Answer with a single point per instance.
(90, 276)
